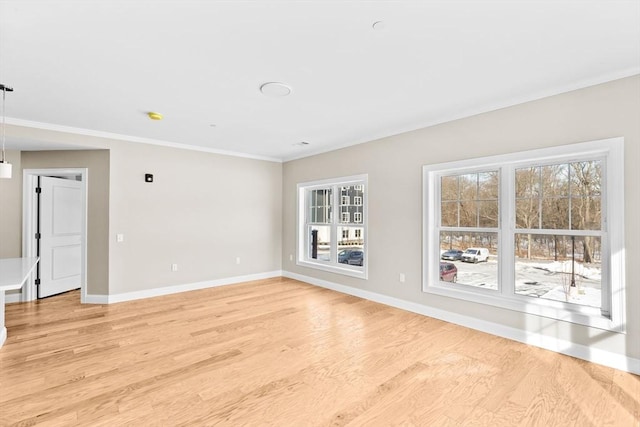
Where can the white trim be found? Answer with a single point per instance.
(129, 138)
(472, 111)
(593, 355)
(611, 149)
(174, 289)
(29, 218)
(301, 223)
(13, 297)
(3, 335)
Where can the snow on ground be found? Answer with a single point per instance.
(550, 279)
(540, 279)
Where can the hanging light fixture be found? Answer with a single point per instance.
(5, 167)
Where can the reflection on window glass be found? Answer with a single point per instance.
(559, 267)
(469, 258)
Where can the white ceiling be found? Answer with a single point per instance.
(96, 67)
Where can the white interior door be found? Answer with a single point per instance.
(60, 235)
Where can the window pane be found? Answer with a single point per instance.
(468, 214)
(555, 180)
(449, 214)
(320, 242)
(449, 188)
(320, 205)
(350, 246)
(488, 186)
(528, 182)
(527, 213)
(488, 211)
(586, 213)
(351, 213)
(560, 268)
(586, 178)
(555, 213)
(469, 186)
(473, 257)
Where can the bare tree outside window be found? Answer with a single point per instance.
(559, 214)
(469, 218)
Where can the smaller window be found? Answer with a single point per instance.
(357, 200)
(331, 230)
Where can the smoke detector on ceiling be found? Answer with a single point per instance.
(275, 89)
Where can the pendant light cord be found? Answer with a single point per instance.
(4, 94)
(4, 90)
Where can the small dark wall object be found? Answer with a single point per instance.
(148, 177)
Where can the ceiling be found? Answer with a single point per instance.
(97, 67)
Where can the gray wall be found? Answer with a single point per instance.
(201, 212)
(97, 162)
(11, 210)
(395, 196)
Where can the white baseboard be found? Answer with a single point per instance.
(601, 357)
(167, 290)
(9, 298)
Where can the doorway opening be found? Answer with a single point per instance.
(65, 221)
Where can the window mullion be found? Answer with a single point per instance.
(335, 217)
(507, 203)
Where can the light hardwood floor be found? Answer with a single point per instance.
(285, 353)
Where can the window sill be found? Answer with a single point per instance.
(581, 315)
(358, 272)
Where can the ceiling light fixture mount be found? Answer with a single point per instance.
(154, 116)
(5, 167)
(275, 89)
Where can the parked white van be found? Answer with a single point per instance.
(475, 255)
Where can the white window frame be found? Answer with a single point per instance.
(357, 218)
(611, 151)
(357, 200)
(302, 238)
(345, 200)
(344, 215)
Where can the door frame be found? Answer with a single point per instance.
(30, 220)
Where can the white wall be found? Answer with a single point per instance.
(395, 198)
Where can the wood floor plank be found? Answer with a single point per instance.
(284, 353)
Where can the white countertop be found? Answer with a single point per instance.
(14, 272)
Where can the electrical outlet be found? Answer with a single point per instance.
(402, 278)
(119, 238)
(174, 267)
(290, 257)
(237, 260)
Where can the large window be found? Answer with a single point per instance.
(539, 232)
(331, 230)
